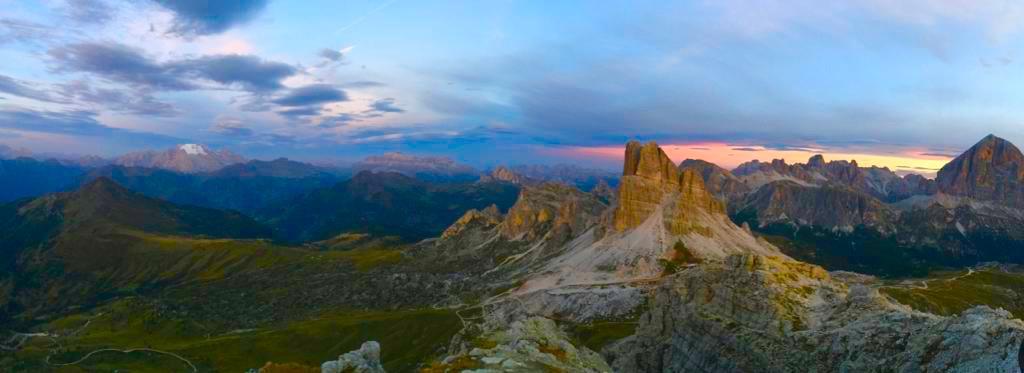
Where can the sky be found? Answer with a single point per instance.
(905, 84)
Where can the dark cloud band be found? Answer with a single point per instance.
(206, 17)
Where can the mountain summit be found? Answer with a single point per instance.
(649, 176)
(185, 158)
(991, 170)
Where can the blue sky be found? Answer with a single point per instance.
(509, 81)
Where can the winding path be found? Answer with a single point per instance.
(130, 350)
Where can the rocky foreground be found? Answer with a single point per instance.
(763, 314)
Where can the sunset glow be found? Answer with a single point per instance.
(730, 156)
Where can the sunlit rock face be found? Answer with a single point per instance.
(991, 170)
(651, 180)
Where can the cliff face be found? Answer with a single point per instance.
(651, 182)
(991, 170)
(552, 207)
(831, 206)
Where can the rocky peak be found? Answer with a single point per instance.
(650, 162)
(502, 173)
(993, 169)
(649, 176)
(817, 161)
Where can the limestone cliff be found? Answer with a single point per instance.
(651, 181)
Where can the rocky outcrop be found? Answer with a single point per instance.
(991, 170)
(547, 208)
(768, 314)
(649, 180)
(530, 345)
(364, 360)
(538, 226)
(474, 219)
(186, 158)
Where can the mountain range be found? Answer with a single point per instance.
(874, 221)
(680, 267)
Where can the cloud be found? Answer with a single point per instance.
(312, 95)
(119, 63)
(78, 123)
(89, 11)
(384, 105)
(300, 112)
(334, 57)
(250, 72)
(944, 155)
(205, 17)
(137, 101)
(17, 30)
(18, 88)
(231, 126)
(746, 149)
(362, 84)
(339, 120)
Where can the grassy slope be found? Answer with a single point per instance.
(951, 294)
(408, 337)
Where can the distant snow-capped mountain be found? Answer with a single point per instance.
(185, 158)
